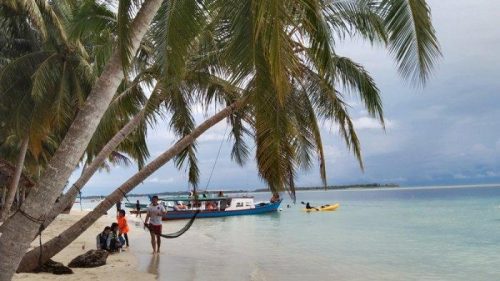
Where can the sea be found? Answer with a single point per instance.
(410, 233)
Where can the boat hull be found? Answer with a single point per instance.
(178, 215)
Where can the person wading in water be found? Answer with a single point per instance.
(154, 216)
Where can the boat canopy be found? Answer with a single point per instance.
(190, 198)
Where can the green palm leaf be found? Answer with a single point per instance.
(412, 38)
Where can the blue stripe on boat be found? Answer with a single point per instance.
(176, 215)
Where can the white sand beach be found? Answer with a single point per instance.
(120, 266)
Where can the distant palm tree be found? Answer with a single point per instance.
(37, 81)
(283, 54)
(44, 120)
(16, 39)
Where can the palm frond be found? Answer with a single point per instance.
(356, 17)
(119, 159)
(412, 38)
(328, 105)
(354, 77)
(240, 150)
(124, 21)
(177, 23)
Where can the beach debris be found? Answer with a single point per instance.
(53, 267)
(92, 258)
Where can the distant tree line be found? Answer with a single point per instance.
(305, 188)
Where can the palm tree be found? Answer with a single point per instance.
(285, 135)
(75, 142)
(187, 77)
(16, 39)
(53, 246)
(51, 112)
(13, 185)
(29, 113)
(272, 62)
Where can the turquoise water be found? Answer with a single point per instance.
(393, 234)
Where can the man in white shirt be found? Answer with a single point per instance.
(154, 216)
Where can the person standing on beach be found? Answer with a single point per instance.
(122, 225)
(138, 209)
(154, 216)
(118, 206)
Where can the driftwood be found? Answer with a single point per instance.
(92, 258)
(54, 267)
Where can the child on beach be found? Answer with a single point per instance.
(122, 225)
(102, 238)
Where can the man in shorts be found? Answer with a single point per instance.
(154, 216)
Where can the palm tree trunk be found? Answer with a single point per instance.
(2, 199)
(70, 196)
(88, 171)
(64, 161)
(55, 245)
(13, 185)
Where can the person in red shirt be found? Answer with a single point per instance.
(122, 225)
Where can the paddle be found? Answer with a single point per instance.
(309, 205)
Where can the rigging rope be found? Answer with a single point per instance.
(216, 158)
(182, 230)
(41, 248)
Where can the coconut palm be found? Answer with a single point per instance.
(27, 114)
(16, 39)
(285, 135)
(312, 29)
(175, 91)
(256, 39)
(68, 89)
(70, 150)
(174, 95)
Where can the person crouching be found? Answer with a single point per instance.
(113, 243)
(102, 238)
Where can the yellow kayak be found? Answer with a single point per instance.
(326, 207)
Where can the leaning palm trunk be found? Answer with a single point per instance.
(55, 245)
(70, 196)
(32, 214)
(13, 186)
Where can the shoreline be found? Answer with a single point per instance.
(119, 266)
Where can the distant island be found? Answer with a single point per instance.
(335, 187)
(307, 188)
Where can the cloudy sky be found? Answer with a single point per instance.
(445, 133)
